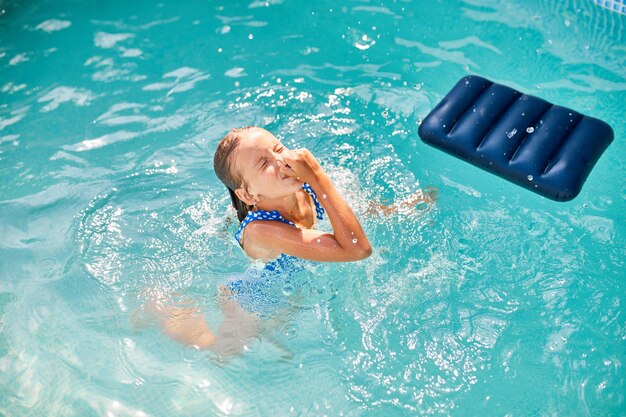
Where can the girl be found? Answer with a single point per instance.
(278, 195)
(282, 188)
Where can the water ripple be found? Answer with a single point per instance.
(53, 25)
(184, 79)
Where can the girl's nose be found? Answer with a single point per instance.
(281, 162)
(283, 168)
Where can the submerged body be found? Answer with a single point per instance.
(279, 195)
(275, 193)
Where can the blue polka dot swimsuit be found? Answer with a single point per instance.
(276, 216)
(258, 290)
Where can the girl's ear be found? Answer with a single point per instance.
(245, 196)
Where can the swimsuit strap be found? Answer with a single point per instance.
(276, 216)
(319, 210)
(260, 215)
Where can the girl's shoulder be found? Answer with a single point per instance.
(259, 215)
(258, 238)
(253, 235)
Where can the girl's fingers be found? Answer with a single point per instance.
(291, 159)
(301, 162)
(291, 174)
(288, 157)
(284, 167)
(288, 172)
(294, 154)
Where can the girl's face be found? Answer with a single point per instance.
(258, 159)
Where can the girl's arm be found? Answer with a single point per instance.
(347, 230)
(348, 241)
(427, 196)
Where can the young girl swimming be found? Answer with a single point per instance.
(274, 189)
(278, 195)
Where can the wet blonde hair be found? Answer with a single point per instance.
(223, 164)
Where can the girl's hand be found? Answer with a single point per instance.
(419, 198)
(428, 195)
(302, 165)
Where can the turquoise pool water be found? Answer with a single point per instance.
(496, 302)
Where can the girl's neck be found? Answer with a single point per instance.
(292, 207)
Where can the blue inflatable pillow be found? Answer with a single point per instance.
(546, 148)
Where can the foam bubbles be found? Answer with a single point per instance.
(108, 40)
(78, 96)
(53, 25)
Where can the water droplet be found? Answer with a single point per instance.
(324, 196)
(530, 177)
(530, 129)
(251, 36)
(290, 332)
(354, 240)
(511, 133)
(288, 289)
